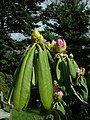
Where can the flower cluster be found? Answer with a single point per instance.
(80, 71)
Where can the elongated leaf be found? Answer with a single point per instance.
(35, 67)
(59, 72)
(81, 87)
(33, 78)
(66, 75)
(50, 57)
(88, 80)
(84, 88)
(72, 67)
(60, 107)
(16, 74)
(44, 79)
(22, 87)
(58, 69)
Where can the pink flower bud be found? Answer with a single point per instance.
(80, 71)
(59, 42)
(63, 43)
(58, 92)
(83, 71)
(60, 45)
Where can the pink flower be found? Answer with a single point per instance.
(59, 45)
(60, 42)
(80, 71)
(57, 91)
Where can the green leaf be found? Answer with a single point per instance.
(66, 75)
(72, 65)
(88, 80)
(81, 87)
(84, 88)
(50, 57)
(58, 69)
(59, 72)
(44, 79)
(33, 78)
(60, 108)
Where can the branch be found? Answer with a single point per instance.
(78, 95)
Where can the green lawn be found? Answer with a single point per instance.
(27, 115)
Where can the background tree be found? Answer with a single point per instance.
(70, 20)
(19, 16)
(10, 54)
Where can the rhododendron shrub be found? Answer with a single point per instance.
(61, 82)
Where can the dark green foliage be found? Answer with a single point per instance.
(62, 73)
(34, 114)
(10, 54)
(18, 16)
(5, 83)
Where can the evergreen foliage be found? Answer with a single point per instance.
(19, 16)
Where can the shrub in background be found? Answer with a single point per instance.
(5, 84)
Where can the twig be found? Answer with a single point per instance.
(78, 95)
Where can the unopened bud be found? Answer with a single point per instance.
(71, 55)
(80, 71)
(36, 36)
(59, 46)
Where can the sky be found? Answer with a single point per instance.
(18, 36)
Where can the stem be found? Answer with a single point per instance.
(78, 95)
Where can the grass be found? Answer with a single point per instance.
(27, 115)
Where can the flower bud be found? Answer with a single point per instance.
(36, 36)
(71, 55)
(80, 71)
(60, 45)
(58, 93)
